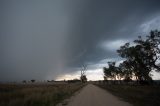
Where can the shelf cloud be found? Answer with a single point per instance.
(46, 39)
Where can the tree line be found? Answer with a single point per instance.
(140, 58)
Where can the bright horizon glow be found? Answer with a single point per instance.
(96, 74)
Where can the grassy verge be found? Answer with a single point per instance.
(36, 95)
(136, 95)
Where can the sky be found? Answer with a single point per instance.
(53, 39)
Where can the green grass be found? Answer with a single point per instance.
(136, 95)
(36, 95)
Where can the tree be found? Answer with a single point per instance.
(151, 49)
(24, 81)
(126, 71)
(83, 76)
(33, 80)
(111, 71)
(142, 57)
(135, 62)
(107, 73)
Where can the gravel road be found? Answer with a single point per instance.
(92, 95)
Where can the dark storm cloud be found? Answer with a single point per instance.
(43, 39)
(104, 20)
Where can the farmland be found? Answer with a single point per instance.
(36, 94)
(138, 95)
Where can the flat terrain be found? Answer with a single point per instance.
(92, 95)
(138, 95)
(36, 94)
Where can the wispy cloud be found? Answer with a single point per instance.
(151, 24)
(113, 45)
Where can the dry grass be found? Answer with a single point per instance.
(36, 95)
(136, 95)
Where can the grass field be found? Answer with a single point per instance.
(136, 95)
(36, 94)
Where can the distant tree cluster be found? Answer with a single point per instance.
(24, 81)
(74, 81)
(140, 59)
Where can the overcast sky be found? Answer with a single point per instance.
(49, 39)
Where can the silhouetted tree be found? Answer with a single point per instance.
(141, 58)
(33, 80)
(83, 76)
(150, 49)
(126, 70)
(107, 73)
(111, 71)
(24, 81)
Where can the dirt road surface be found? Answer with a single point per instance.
(92, 95)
